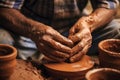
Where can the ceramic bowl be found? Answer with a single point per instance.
(8, 55)
(109, 53)
(103, 74)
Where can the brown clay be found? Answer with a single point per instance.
(24, 70)
(103, 74)
(71, 71)
(109, 53)
(7, 61)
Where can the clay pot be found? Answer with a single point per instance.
(103, 74)
(70, 71)
(109, 53)
(7, 61)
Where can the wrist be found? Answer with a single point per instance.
(36, 30)
(30, 28)
(91, 21)
(86, 22)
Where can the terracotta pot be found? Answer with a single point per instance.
(7, 61)
(70, 71)
(109, 53)
(103, 74)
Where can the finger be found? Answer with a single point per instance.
(75, 29)
(54, 58)
(48, 60)
(77, 36)
(51, 56)
(72, 31)
(56, 45)
(78, 47)
(63, 40)
(78, 56)
(86, 40)
(49, 51)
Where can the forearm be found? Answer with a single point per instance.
(13, 20)
(99, 18)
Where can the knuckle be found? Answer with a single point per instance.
(45, 37)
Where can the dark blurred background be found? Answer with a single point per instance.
(89, 9)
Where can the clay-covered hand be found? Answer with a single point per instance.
(51, 43)
(81, 36)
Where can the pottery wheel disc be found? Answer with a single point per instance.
(77, 69)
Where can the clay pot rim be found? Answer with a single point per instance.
(14, 54)
(99, 69)
(106, 51)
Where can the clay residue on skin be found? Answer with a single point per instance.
(25, 71)
(90, 20)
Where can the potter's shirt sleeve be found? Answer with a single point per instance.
(109, 4)
(16, 4)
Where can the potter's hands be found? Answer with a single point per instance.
(51, 43)
(81, 36)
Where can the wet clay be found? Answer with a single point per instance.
(109, 53)
(103, 74)
(25, 71)
(70, 70)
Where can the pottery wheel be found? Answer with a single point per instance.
(77, 69)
